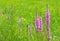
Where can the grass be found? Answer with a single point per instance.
(9, 31)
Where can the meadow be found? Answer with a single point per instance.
(11, 10)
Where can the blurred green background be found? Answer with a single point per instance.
(12, 31)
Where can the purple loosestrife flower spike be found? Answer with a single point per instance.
(40, 22)
(36, 22)
(40, 25)
(47, 16)
(29, 30)
(48, 23)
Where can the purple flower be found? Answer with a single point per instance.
(40, 22)
(36, 23)
(47, 16)
(40, 25)
(48, 23)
